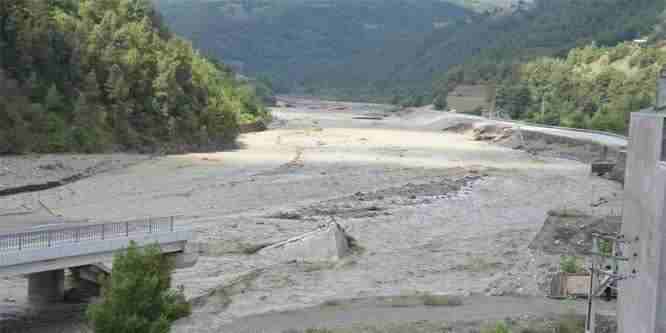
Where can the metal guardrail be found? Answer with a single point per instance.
(71, 235)
(573, 129)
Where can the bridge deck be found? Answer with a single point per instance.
(57, 248)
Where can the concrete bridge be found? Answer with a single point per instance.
(44, 255)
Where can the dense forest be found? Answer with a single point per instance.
(593, 87)
(548, 28)
(98, 75)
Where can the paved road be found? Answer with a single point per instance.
(606, 139)
(593, 136)
(371, 312)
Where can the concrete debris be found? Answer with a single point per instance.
(491, 132)
(326, 244)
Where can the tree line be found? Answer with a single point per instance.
(592, 87)
(98, 75)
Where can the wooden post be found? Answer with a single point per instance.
(126, 229)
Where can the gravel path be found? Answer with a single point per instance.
(373, 313)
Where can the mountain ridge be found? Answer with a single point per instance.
(374, 50)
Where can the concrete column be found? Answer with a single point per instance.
(642, 299)
(46, 287)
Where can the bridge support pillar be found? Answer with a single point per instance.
(46, 287)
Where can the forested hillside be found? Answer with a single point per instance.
(95, 75)
(549, 28)
(315, 46)
(383, 49)
(593, 87)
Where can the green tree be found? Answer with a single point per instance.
(89, 73)
(54, 101)
(514, 99)
(137, 297)
(440, 101)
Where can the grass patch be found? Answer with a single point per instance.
(566, 324)
(500, 327)
(479, 264)
(570, 324)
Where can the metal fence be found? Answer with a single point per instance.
(72, 235)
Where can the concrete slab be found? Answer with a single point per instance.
(326, 244)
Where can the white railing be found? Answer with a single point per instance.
(71, 235)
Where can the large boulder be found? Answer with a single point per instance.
(325, 244)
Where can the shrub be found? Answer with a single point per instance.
(440, 102)
(137, 297)
(570, 264)
(570, 324)
(500, 327)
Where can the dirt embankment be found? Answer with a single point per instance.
(21, 174)
(536, 142)
(545, 143)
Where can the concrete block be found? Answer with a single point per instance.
(326, 244)
(85, 253)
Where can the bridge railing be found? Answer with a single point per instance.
(71, 235)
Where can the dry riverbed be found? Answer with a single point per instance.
(430, 211)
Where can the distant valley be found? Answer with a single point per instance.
(376, 50)
(312, 44)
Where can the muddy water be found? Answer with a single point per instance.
(433, 211)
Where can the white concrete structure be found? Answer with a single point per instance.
(642, 297)
(326, 244)
(43, 255)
